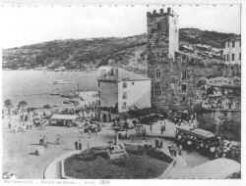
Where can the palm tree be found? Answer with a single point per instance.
(8, 104)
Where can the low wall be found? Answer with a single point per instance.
(51, 171)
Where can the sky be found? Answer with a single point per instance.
(23, 26)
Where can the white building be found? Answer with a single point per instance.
(120, 91)
(232, 50)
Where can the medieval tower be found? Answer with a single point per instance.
(170, 77)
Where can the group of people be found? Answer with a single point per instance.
(175, 150)
(78, 145)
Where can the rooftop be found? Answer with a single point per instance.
(63, 117)
(233, 38)
(109, 73)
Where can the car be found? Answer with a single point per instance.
(202, 140)
(92, 127)
(126, 134)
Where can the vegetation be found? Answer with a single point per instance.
(8, 104)
(87, 54)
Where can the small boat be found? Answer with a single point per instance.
(54, 94)
(60, 82)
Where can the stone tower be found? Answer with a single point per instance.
(167, 75)
(163, 34)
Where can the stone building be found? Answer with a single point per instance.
(121, 91)
(232, 50)
(175, 75)
(171, 79)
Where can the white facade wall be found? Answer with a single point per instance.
(108, 93)
(173, 35)
(138, 95)
(229, 50)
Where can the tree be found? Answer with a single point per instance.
(22, 104)
(8, 104)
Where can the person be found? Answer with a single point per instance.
(9, 125)
(161, 144)
(79, 145)
(76, 145)
(144, 132)
(58, 139)
(163, 128)
(151, 127)
(156, 143)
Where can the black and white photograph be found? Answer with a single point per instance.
(121, 92)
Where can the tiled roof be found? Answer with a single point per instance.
(130, 76)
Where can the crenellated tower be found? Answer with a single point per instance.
(163, 35)
(163, 43)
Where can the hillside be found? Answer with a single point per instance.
(87, 54)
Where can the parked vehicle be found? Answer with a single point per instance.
(92, 127)
(202, 140)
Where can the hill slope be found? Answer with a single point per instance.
(87, 54)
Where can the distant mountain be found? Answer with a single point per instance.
(88, 54)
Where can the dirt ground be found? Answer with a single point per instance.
(18, 148)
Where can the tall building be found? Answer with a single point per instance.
(175, 75)
(171, 79)
(232, 51)
(121, 91)
(163, 35)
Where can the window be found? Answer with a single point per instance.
(183, 88)
(158, 74)
(228, 57)
(124, 105)
(233, 57)
(124, 84)
(157, 89)
(226, 44)
(124, 95)
(184, 75)
(233, 44)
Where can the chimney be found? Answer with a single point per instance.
(161, 11)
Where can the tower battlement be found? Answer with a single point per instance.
(161, 12)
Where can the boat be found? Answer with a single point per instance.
(60, 82)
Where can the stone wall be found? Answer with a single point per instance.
(174, 80)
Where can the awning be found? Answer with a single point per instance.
(64, 117)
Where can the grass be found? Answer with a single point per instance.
(133, 167)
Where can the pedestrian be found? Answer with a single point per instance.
(58, 139)
(156, 143)
(9, 125)
(163, 129)
(144, 132)
(79, 145)
(76, 145)
(151, 127)
(161, 144)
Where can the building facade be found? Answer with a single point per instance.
(232, 51)
(171, 76)
(175, 74)
(121, 91)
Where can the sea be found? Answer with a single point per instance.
(36, 87)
